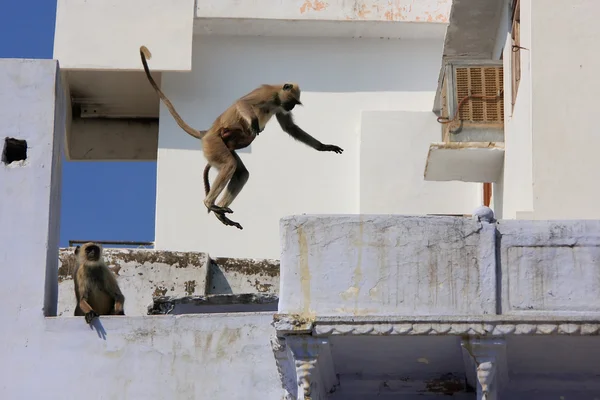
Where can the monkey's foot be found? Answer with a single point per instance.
(219, 210)
(226, 221)
(89, 317)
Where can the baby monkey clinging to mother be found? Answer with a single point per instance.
(235, 129)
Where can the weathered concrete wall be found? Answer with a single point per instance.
(167, 277)
(416, 266)
(386, 265)
(382, 306)
(550, 267)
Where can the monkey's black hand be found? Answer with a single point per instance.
(255, 127)
(89, 317)
(331, 147)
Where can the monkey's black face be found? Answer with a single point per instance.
(289, 105)
(92, 253)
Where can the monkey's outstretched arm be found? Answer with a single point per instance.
(286, 121)
(246, 112)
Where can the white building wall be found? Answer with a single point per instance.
(565, 90)
(340, 78)
(516, 190)
(159, 357)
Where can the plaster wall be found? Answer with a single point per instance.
(515, 192)
(564, 107)
(339, 81)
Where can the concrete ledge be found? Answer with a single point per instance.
(435, 11)
(403, 19)
(492, 325)
(464, 161)
(383, 29)
(220, 303)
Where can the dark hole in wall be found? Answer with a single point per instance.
(14, 150)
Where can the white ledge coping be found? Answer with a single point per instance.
(138, 325)
(492, 325)
(432, 11)
(464, 161)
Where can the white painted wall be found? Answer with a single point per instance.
(393, 154)
(215, 356)
(565, 89)
(340, 78)
(515, 193)
(551, 140)
(32, 110)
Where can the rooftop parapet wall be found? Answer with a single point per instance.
(156, 281)
(408, 266)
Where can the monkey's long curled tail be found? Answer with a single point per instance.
(206, 182)
(145, 54)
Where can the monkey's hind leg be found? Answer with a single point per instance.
(234, 187)
(220, 157)
(236, 183)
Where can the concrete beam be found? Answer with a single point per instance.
(465, 162)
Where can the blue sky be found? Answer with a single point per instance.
(125, 194)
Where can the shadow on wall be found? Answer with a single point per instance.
(227, 67)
